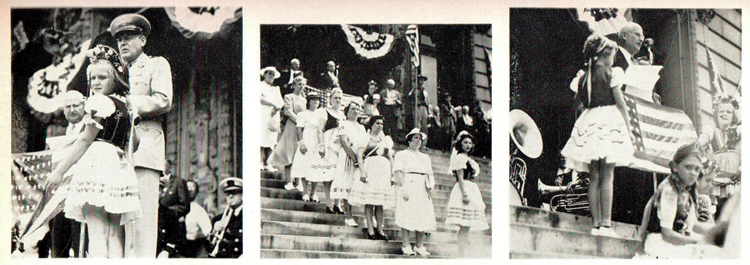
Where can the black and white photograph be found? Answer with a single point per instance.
(126, 132)
(375, 141)
(659, 178)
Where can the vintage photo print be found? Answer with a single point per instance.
(126, 132)
(625, 131)
(376, 141)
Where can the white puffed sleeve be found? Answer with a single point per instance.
(98, 106)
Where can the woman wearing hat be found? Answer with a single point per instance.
(373, 189)
(307, 132)
(327, 153)
(412, 171)
(283, 154)
(270, 104)
(465, 206)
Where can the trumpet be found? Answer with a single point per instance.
(217, 237)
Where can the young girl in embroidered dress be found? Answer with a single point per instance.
(103, 189)
(600, 139)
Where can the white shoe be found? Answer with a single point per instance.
(289, 186)
(608, 232)
(351, 222)
(315, 198)
(595, 231)
(422, 251)
(306, 197)
(407, 251)
(300, 188)
(270, 168)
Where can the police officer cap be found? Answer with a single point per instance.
(231, 184)
(130, 22)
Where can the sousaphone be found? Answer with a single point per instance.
(527, 139)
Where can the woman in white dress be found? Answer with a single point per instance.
(350, 134)
(465, 206)
(323, 164)
(307, 131)
(373, 190)
(271, 103)
(414, 208)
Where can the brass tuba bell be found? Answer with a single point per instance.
(525, 134)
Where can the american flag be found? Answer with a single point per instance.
(717, 84)
(657, 133)
(605, 21)
(30, 170)
(412, 36)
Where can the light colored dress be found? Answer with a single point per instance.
(417, 213)
(472, 214)
(345, 171)
(323, 168)
(378, 189)
(269, 130)
(301, 165)
(103, 176)
(283, 154)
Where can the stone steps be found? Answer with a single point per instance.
(536, 233)
(440, 185)
(354, 245)
(440, 176)
(307, 254)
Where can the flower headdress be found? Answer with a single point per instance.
(721, 98)
(103, 52)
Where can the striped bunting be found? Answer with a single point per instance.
(657, 131)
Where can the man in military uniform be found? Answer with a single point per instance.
(227, 231)
(151, 97)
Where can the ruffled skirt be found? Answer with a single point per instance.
(344, 175)
(656, 248)
(470, 215)
(323, 169)
(599, 133)
(103, 177)
(378, 189)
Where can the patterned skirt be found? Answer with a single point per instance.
(599, 133)
(378, 189)
(472, 214)
(103, 177)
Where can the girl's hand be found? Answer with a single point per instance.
(53, 181)
(465, 198)
(302, 148)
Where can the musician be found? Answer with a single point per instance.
(288, 75)
(197, 226)
(150, 82)
(227, 233)
(174, 204)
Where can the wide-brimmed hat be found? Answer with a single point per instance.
(231, 184)
(276, 73)
(416, 131)
(130, 22)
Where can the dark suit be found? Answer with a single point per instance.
(621, 61)
(231, 244)
(327, 81)
(173, 205)
(286, 77)
(389, 110)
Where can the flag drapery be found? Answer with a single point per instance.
(412, 37)
(29, 172)
(657, 131)
(605, 21)
(47, 84)
(368, 45)
(203, 23)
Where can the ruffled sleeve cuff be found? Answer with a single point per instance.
(98, 106)
(618, 77)
(458, 161)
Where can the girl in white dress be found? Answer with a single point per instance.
(103, 188)
(465, 206)
(307, 129)
(323, 164)
(350, 134)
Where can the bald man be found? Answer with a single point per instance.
(630, 39)
(288, 75)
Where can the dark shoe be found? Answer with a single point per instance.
(380, 236)
(338, 209)
(368, 235)
(330, 210)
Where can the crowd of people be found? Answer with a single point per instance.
(684, 204)
(349, 149)
(116, 181)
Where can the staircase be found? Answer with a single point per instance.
(292, 228)
(536, 233)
